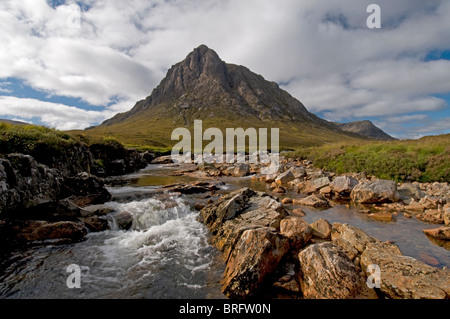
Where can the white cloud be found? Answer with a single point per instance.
(321, 50)
(55, 115)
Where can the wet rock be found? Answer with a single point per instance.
(123, 220)
(256, 255)
(296, 230)
(192, 188)
(284, 178)
(404, 277)
(316, 201)
(429, 259)
(286, 200)
(327, 273)
(441, 233)
(270, 178)
(63, 210)
(34, 230)
(321, 229)
(279, 190)
(343, 184)
(86, 185)
(383, 216)
(95, 223)
(378, 191)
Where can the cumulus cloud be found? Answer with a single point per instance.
(55, 115)
(319, 51)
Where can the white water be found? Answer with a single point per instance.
(164, 255)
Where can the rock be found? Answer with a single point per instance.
(284, 178)
(325, 190)
(162, 160)
(415, 206)
(256, 255)
(358, 239)
(315, 185)
(23, 231)
(441, 233)
(343, 184)
(348, 248)
(327, 273)
(433, 216)
(298, 171)
(63, 210)
(241, 170)
(193, 188)
(297, 231)
(447, 217)
(316, 201)
(270, 178)
(403, 277)
(123, 220)
(298, 212)
(24, 183)
(431, 202)
(378, 191)
(286, 200)
(384, 216)
(273, 185)
(321, 229)
(429, 259)
(409, 190)
(279, 190)
(95, 223)
(86, 185)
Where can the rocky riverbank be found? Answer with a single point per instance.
(45, 200)
(267, 245)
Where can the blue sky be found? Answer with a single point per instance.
(72, 64)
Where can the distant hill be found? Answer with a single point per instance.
(13, 122)
(367, 129)
(203, 87)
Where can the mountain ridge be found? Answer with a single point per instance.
(203, 87)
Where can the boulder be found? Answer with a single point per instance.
(315, 185)
(86, 185)
(343, 184)
(284, 178)
(24, 183)
(441, 233)
(241, 170)
(316, 201)
(256, 255)
(321, 229)
(358, 239)
(123, 220)
(328, 273)
(378, 191)
(410, 190)
(403, 277)
(297, 231)
(298, 171)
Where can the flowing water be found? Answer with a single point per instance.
(166, 253)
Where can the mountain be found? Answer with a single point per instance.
(367, 129)
(203, 87)
(12, 122)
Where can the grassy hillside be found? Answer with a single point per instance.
(155, 132)
(424, 160)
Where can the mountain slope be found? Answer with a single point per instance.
(367, 129)
(203, 87)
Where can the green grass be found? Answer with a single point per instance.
(29, 139)
(423, 160)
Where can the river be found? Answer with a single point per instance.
(166, 253)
